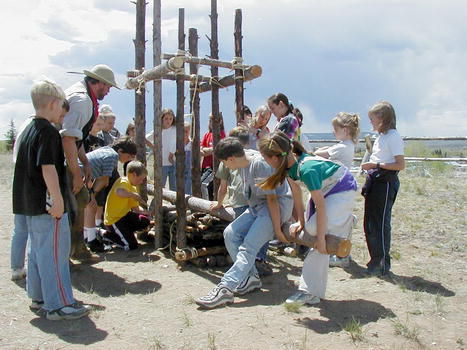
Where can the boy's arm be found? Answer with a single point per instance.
(298, 205)
(222, 191)
(275, 213)
(51, 180)
(321, 220)
(86, 166)
(121, 192)
(71, 155)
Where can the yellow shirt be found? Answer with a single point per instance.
(117, 207)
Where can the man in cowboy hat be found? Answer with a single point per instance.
(82, 97)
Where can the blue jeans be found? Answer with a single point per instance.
(48, 277)
(169, 171)
(263, 252)
(19, 240)
(245, 236)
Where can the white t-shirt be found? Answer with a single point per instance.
(386, 147)
(342, 152)
(169, 143)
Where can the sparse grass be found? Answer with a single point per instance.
(293, 307)
(212, 341)
(395, 254)
(186, 320)
(421, 191)
(188, 300)
(156, 344)
(460, 341)
(439, 305)
(404, 329)
(355, 330)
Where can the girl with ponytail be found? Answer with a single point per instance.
(332, 190)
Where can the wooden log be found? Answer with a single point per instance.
(180, 152)
(199, 204)
(155, 73)
(334, 245)
(157, 126)
(216, 115)
(204, 61)
(190, 253)
(249, 73)
(239, 102)
(194, 110)
(140, 102)
(191, 78)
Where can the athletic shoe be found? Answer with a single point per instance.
(18, 274)
(335, 261)
(276, 244)
(250, 284)
(302, 297)
(36, 305)
(96, 246)
(219, 295)
(263, 268)
(69, 312)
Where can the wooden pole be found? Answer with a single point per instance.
(194, 110)
(204, 61)
(250, 73)
(140, 103)
(216, 117)
(157, 140)
(155, 73)
(180, 152)
(239, 101)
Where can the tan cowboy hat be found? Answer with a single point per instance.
(102, 73)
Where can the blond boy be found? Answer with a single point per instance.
(38, 188)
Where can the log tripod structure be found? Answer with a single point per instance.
(173, 68)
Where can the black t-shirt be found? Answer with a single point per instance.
(91, 143)
(40, 145)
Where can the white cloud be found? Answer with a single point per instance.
(326, 56)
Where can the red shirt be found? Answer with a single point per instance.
(207, 142)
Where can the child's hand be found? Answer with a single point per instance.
(320, 244)
(295, 229)
(57, 209)
(215, 206)
(368, 166)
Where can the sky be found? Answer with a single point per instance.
(327, 56)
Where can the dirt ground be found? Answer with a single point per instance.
(144, 300)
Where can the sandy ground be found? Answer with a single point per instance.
(144, 300)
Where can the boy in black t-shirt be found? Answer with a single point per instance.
(38, 187)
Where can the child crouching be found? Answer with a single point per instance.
(123, 216)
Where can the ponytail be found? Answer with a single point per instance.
(279, 145)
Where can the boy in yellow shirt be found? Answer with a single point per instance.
(123, 215)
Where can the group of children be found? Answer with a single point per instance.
(263, 188)
(272, 192)
(41, 210)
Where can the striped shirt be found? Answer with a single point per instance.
(103, 161)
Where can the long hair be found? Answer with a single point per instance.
(279, 145)
(168, 111)
(385, 111)
(351, 121)
(280, 97)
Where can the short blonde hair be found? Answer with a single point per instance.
(45, 91)
(137, 168)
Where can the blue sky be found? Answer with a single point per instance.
(327, 56)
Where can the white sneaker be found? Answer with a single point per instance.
(69, 312)
(302, 297)
(219, 295)
(18, 274)
(250, 284)
(335, 261)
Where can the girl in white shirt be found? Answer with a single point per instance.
(381, 186)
